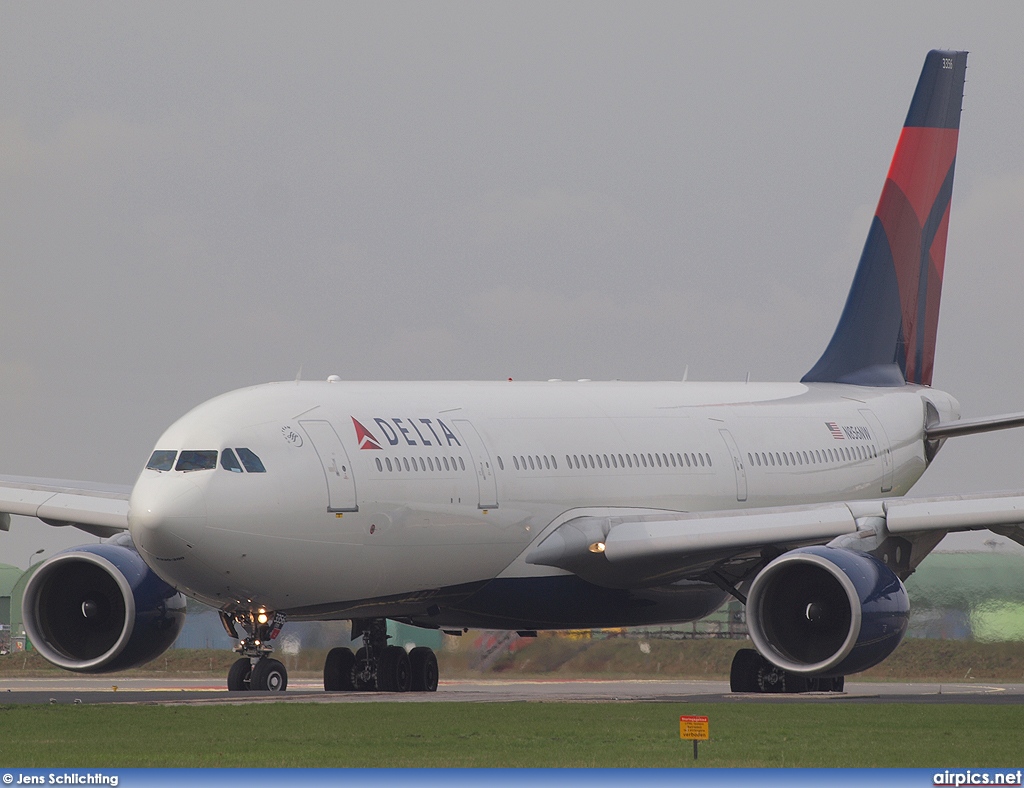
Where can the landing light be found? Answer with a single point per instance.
(262, 618)
(596, 547)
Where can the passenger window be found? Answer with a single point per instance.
(554, 462)
(462, 465)
(547, 463)
(229, 462)
(252, 463)
(196, 461)
(531, 463)
(515, 461)
(388, 461)
(379, 466)
(446, 464)
(161, 460)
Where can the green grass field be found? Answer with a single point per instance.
(510, 734)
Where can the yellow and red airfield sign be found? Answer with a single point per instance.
(692, 727)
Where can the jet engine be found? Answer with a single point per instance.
(99, 608)
(826, 611)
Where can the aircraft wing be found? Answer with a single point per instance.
(660, 547)
(99, 509)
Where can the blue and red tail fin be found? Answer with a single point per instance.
(886, 335)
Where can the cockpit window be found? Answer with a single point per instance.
(161, 460)
(196, 461)
(229, 462)
(251, 462)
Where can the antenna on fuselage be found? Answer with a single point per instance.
(298, 375)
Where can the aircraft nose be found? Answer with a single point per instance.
(167, 515)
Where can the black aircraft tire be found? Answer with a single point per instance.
(395, 670)
(270, 675)
(794, 682)
(424, 669)
(338, 670)
(238, 675)
(743, 673)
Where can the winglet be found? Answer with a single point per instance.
(886, 334)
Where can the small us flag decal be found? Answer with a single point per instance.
(834, 429)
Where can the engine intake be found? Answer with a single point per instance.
(99, 608)
(827, 611)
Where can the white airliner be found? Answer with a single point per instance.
(550, 505)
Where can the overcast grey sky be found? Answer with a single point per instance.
(196, 197)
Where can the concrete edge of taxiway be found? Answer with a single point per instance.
(200, 693)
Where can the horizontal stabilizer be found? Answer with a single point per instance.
(973, 426)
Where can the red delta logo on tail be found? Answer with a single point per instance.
(364, 437)
(914, 212)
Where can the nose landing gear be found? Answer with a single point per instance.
(255, 669)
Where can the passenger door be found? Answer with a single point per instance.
(341, 482)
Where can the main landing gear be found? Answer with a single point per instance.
(378, 666)
(255, 669)
(753, 673)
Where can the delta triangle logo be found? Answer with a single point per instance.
(366, 440)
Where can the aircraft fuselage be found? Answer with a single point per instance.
(396, 499)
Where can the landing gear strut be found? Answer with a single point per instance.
(753, 673)
(378, 666)
(255, 669)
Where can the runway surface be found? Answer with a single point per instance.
(79, 689)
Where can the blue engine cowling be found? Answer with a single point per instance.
(99, 608)
(826, 611)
